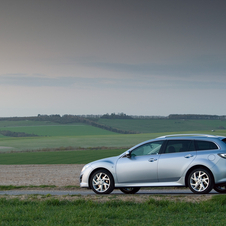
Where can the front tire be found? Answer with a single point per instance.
(200, 181)
(220, 188)
(130, 190)
(102, 182)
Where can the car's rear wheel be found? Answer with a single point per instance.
(200, 181)
(130, 190)
(102, 182)
(220, 188)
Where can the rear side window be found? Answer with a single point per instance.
(224, 140)
(173, 146)
(205, 145)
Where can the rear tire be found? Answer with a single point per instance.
(200, 181)
(130, 190)
(220, 188)
(102, 182)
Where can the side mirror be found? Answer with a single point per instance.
(127, 155)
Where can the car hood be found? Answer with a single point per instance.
(111, 160)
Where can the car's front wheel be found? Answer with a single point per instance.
(130, 190)
(220, 188)
(200, 181)
(102, 182)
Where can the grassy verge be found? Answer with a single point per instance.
(45, 187)
(12, 187)
(53, 211)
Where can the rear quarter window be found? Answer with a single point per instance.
(205, 145)
(224, 140)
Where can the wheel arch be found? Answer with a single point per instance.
(97, 170)
(196, 167)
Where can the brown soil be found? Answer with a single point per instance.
(59, 175)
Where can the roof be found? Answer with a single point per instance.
(192, 135)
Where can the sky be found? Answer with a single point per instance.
(139, 57)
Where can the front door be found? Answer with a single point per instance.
(141, 167)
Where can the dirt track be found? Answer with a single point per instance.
(59, 175)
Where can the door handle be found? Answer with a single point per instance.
(188, 156)
(152, 160)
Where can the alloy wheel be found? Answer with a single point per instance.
(200, 181)
(102, 182)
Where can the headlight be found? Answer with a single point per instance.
(85, 167)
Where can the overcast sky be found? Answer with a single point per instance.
(140, 57)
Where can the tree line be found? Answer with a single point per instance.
(196, 116)
(16, 134)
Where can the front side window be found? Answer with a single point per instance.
(148, 149)
(205, 145)
(174, 146)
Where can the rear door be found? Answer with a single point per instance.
(175, 159)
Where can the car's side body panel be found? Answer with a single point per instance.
(137, 169)
(163, 168)
(172, 166)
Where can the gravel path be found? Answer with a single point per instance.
(64, 175)
(59, 175)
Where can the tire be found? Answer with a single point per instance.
(130, 190)
(220, 188)
(200, 181)
(102, 182)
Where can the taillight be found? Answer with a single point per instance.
(222, 155)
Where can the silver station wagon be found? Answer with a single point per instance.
(196, 161)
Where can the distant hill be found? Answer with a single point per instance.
(124, 124)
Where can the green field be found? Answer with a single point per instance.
(116, 140)
(46, 210)
(51, 129)
(81, 212)
(57, 157)
(37, 143)
(163, 125)
(76, 136)
(71, 157)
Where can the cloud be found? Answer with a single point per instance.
(33, 81)
(189, 66)
(136, 83)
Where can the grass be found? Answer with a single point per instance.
(59, 157)
(52, 135)
(163, 125)
(21, 123)
(114, 140)
(71, 157)
(77, 129)
(12, 187)
(52, 211)
(34, 143)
